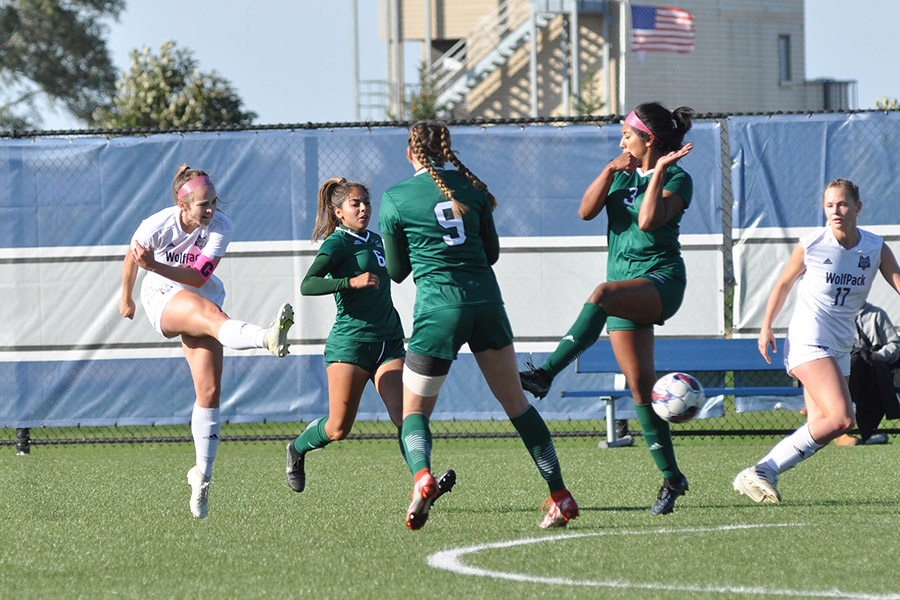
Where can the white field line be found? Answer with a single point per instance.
(451, 560)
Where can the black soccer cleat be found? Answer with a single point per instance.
(445, 483)
(671, 489)
(295, 471)
(535, 380)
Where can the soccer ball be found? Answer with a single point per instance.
(678, 397)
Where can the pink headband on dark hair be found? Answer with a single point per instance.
(635, 121)
(193, 184)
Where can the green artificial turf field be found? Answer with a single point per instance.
(112, 521)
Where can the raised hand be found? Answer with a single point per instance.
(672, 157)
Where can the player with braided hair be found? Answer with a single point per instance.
(645, 194)
(431, 147)
(438, 225)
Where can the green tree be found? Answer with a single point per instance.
(423, 104)
(54, 48)
(885, 103)
(588, 101)
(169, 90)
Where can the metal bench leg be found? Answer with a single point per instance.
(611, 441)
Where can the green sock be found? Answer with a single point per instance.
(536, 436)
(313, 437)
(400, 440)
(416, 440)
(581, 336)
(659, 440)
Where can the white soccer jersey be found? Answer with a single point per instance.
(162, 232)
(833, 289)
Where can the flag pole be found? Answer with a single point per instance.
(532, 68)
(355, 26)
(623, 50)
(607, 82)
(574, 49)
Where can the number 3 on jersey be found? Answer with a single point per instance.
(447, 219)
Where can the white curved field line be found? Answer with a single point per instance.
(450, 560)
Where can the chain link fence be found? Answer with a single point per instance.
(753, 187)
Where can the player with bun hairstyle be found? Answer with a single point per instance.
(645, 194)
(438, 225)
(835, 267)
(180, 247)
(366, 341)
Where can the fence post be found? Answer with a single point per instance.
(727, 240)
(23, 441)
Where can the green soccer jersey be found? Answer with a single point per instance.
(447, 253)
(634, 253)
(368, 314)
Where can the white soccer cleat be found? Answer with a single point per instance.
(758, 483)
(277, 335)
(199, 492)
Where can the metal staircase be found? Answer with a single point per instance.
(487, 47)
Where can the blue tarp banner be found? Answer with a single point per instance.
(68, 207)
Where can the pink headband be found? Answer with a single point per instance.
(635, 121)
(193, 184)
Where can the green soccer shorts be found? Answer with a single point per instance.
(441, 333)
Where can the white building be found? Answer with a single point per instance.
(748, 57)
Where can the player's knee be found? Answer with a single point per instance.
(640, 384)
(846, 423)
(208, 394)
(601, 294)
(841, 424)
(214, 320)
(338, 431)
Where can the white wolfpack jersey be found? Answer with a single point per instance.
(162, 232)
(833, 289)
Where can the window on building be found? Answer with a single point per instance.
(784, 58)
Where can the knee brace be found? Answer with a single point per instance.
(424, 375)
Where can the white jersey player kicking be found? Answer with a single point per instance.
(180, 247)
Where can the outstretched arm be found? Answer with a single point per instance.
(777, 298)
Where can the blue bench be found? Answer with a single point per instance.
(712, 357)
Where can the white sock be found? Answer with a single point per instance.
(790, 451)
(205, 427)
(240, 335)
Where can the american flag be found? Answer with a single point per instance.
(661, 28)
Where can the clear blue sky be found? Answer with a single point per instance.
(291, 62)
